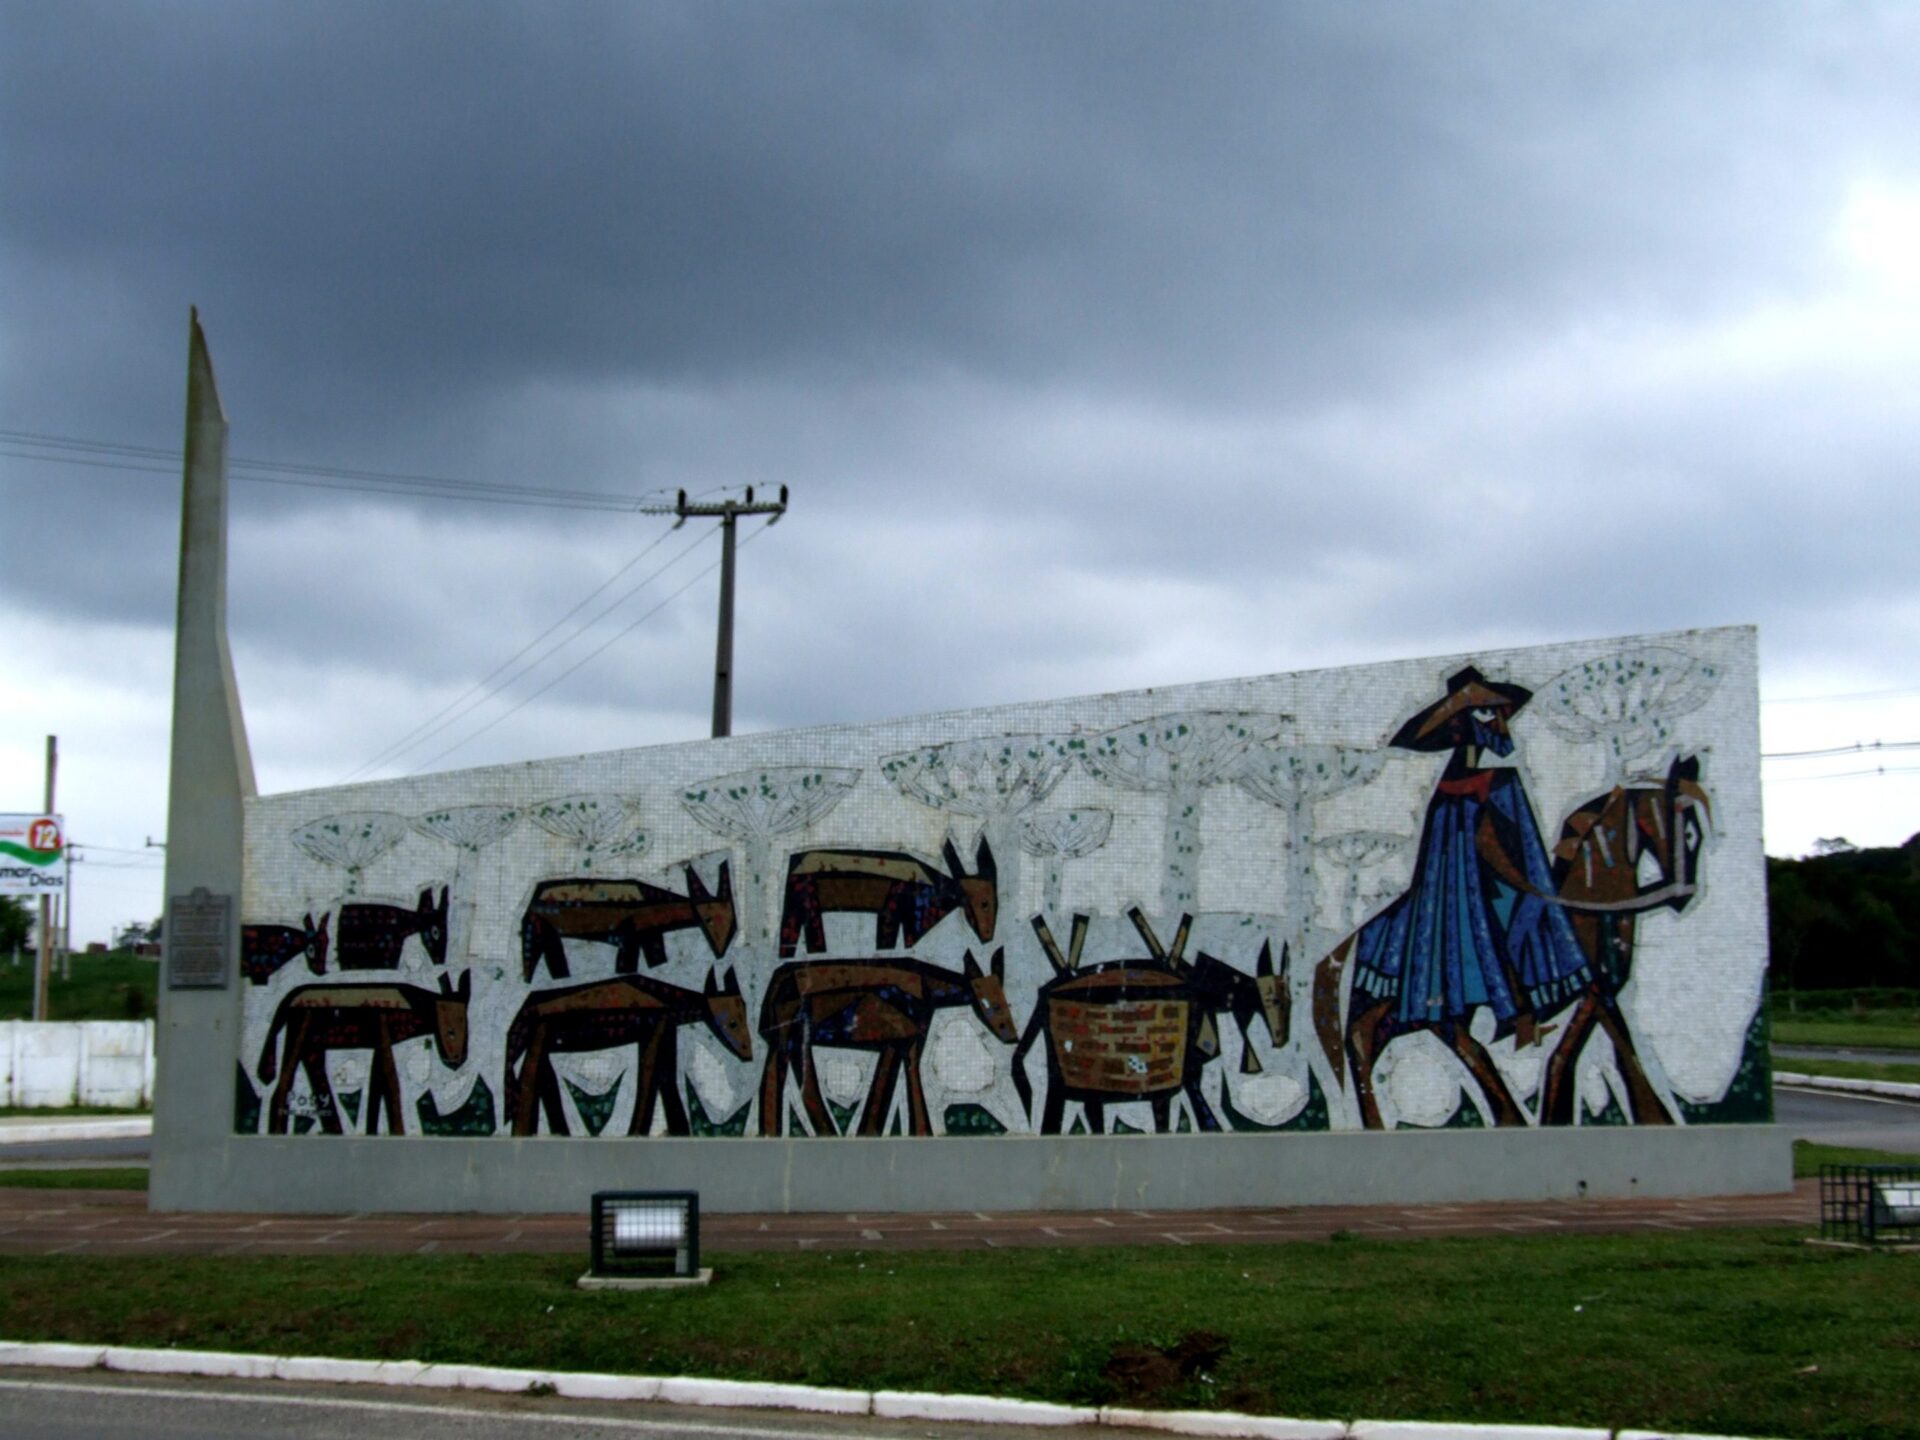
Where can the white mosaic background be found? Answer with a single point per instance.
(1225, 834)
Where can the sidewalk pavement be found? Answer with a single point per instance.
(109, 1222)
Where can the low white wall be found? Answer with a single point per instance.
(76, 1062)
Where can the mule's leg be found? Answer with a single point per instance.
(668, 1069)
(549, 1083)
(290, 1065)
(1363, 1049)
(1558, 1085)
(918, 1121)
(1096, 1112)
(1642, 1099)
(811, 1100)
(1203, 1115)
(525, 1091)
(1054, 1109)
(554, 949)
(773, 1086)
(1162, 1114)
(1506, 1110)
(389, 1077)
(646, 1087)
(653, 945)
(879, 1106)
(314, 1062)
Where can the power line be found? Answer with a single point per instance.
(461, 706)
(523, 703)
(1845, 774)
(149, 459)
(1852, 695)
(1854, 749)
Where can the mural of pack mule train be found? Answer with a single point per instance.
(1517, 889)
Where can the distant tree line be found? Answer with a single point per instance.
(1845, 917)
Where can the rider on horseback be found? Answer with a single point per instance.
(1474, 927)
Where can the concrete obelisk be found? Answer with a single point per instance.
(210, 779)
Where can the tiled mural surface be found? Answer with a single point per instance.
(1510, 888)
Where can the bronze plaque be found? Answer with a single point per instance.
(199, 941)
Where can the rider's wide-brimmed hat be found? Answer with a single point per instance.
(1466, 690)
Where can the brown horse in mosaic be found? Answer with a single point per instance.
(322, 1018)
(1629, 852)
(634, 1010)
(884, 1006)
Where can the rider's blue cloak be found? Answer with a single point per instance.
(1462, 936)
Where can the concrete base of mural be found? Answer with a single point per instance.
(302, 1175)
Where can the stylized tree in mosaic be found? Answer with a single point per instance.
(993, 780)
(1296, 778)
(1354, 851)
(601, 826)
(469, 829)
(1627, 701)
(1058, 836)
(352, 841)
(752, 808)
(1178, 756)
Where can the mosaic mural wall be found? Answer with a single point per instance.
(1516, 888)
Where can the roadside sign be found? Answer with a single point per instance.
(33, 855)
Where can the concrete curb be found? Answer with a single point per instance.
(58, 1130)
(1885, 1089)
(745, 1394)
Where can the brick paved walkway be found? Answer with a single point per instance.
(105, 1222)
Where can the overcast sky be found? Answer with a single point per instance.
(1101, 346)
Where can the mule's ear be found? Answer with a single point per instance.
(732, 983)
(443, 899)
(307, 920)
(1000, 963)
(1265, 965)
(696, 889)
(712, 986)
(426, 898)
(446, 984)
(726, 880)
(972, 967)
(952, 857)
(466, 984)
(983, 865)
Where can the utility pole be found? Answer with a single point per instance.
(45, 959)
(726, 511)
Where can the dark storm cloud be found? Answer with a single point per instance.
(1101, 344)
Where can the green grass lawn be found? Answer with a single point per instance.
(1808, 1157)
(1851, 1069)
(1876, 1033)
(117, 1178)
(1746, 1332)
(103, 987)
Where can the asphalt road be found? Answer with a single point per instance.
(52, 1405)
(1861, 1120)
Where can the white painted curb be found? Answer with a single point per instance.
(61, 1130)
(1440, 1430)
(1885, 1089)
(1222, 1423)
(688, 1390)
(982, 1409)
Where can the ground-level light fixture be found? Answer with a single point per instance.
(644, 1239)
(1870, 1204)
